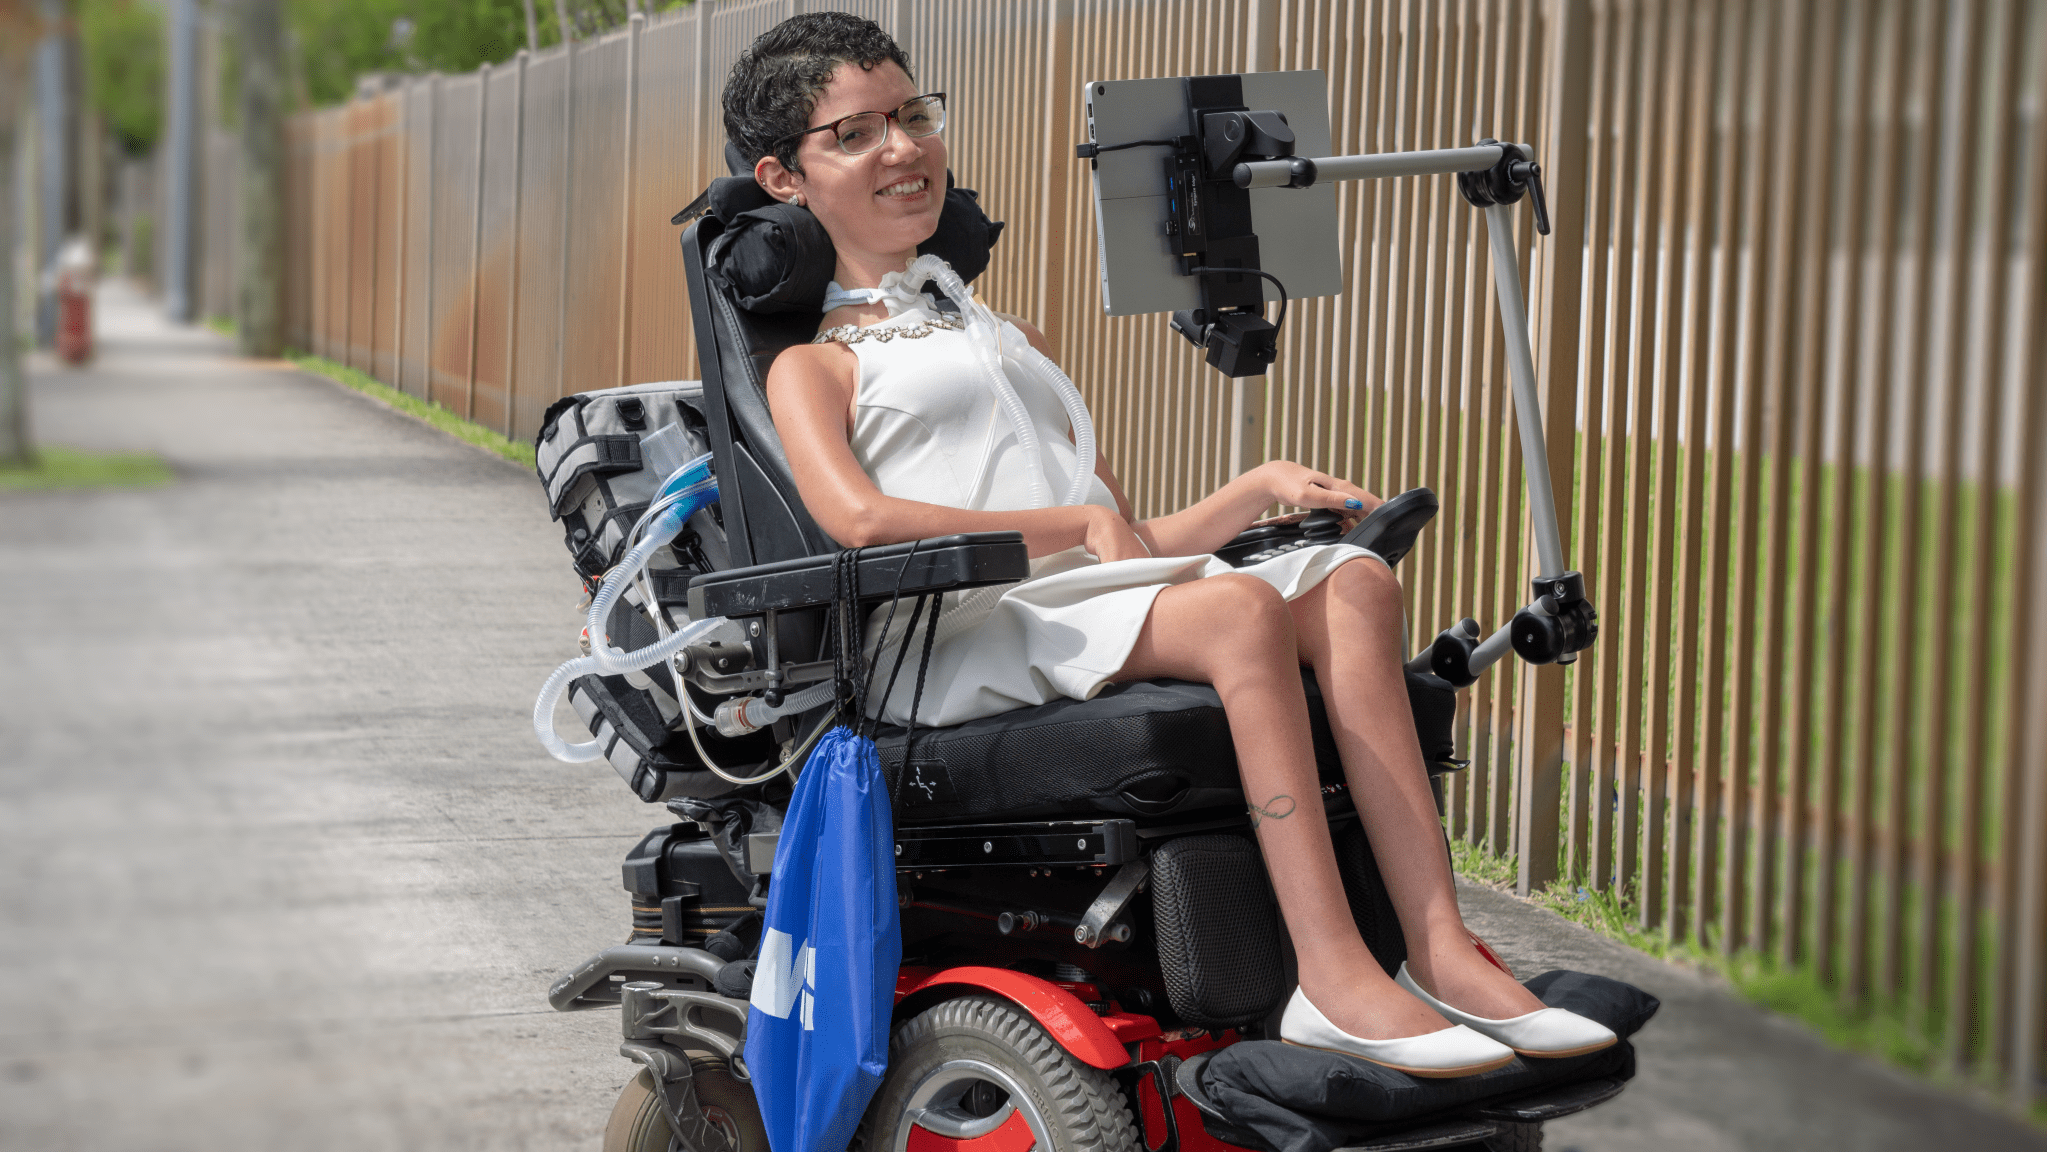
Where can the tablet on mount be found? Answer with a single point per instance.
(1211, 198)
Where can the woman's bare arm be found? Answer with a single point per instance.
(1213, 522)
(810, 391)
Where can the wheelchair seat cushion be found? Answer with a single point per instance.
(1148, 750)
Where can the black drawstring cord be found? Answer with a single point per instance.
(923, 666)
(902, 650)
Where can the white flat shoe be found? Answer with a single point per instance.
(1454, 1051)
(1545, 1032)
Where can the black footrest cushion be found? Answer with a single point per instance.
(1306, 1099)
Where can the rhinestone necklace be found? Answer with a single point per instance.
(854, 333)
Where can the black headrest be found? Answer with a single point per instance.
(776, 257)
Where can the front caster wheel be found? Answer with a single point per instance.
(637, 1123)
(1516, 1138)
(978, 1069)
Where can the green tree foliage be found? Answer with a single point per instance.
(124, 67)
(463, 35)
(340, 40)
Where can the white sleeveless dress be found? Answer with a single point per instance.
(928, 427)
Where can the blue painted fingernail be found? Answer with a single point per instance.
(1353, 503)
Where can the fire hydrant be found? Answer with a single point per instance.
(74, 301)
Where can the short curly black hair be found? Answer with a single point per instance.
(773, 86)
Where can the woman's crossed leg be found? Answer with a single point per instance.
(1239, 634)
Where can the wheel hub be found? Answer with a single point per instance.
(969, 1106)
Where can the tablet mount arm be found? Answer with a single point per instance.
(1559, 622)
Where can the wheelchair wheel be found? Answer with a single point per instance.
(637, 1123)
(1516, 1138)
(977, 1068)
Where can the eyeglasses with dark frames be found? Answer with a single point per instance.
(863, 132)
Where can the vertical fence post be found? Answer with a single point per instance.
(2027, 718)
(561, 326)
(433, 169)
(2029, 996)
(518, 202)
(346, 233)
(1540, 743)
(710, 122)
(1057, 166)
(378, 132)
(476, 239)
(404, 236)
(636, 25)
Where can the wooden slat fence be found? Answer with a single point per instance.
(1789, 331)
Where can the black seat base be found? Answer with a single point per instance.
(1148, 750)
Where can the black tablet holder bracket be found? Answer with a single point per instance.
(1229, 149)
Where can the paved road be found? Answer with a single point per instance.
(281, 866)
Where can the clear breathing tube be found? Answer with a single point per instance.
(689, 490)
(686, 492)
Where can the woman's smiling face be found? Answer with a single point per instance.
(880, 204)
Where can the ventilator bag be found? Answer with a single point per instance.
(598, 455)
(590, 458)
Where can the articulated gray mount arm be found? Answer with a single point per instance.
(1559, 622)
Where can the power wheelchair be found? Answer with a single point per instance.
(1085, 916)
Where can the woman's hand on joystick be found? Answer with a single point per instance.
(1303, 487)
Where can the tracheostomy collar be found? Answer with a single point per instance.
(898, 293)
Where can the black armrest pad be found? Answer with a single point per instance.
(939, 564)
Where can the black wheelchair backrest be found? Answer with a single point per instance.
(764, 518)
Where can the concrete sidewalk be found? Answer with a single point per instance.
(1718, 1073)
(284, 867)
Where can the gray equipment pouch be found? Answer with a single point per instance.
(588, 455)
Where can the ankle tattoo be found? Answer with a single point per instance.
(1278, 808)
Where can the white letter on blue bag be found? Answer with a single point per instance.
(784, 971)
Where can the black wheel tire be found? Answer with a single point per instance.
(1516, 1138)
(637, 1123)
(974, 1065)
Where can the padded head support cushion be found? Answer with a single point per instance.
(775, 257)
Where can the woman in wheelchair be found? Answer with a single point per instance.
(896, 429)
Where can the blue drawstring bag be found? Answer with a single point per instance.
(817, 1032)
(824, 987)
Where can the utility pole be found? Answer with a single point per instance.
(259, 299)
(181, 166)
(57, 92)
(532, 30)
(561, 18)
(20, 27)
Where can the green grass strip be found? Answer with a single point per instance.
(59, 467)
(517, 451)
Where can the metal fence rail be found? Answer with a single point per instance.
(1789, 329)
